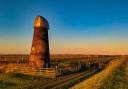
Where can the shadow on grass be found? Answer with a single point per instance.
(19, 75)
(6, 84)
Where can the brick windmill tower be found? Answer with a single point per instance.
(39, 55)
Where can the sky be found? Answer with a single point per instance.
(76, 26)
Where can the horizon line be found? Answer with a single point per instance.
(59, 54)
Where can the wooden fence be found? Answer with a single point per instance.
(44, 72)
(39, 71)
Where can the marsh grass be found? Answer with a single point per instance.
(21, 81)
(4, 85)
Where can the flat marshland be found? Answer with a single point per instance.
(115, 76)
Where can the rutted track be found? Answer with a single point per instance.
(62, 81)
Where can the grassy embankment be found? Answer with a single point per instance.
(115, 76)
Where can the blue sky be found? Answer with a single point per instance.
(76, 26)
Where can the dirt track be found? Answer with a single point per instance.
(62, 81)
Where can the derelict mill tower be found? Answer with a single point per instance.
(39, 55)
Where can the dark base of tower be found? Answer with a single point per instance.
(34, 64)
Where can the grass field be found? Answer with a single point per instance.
(115, 76)
(21, 81)
(118, 80)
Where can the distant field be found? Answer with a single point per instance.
(115, 76)
(55, 59)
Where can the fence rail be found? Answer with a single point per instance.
(45, 72)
